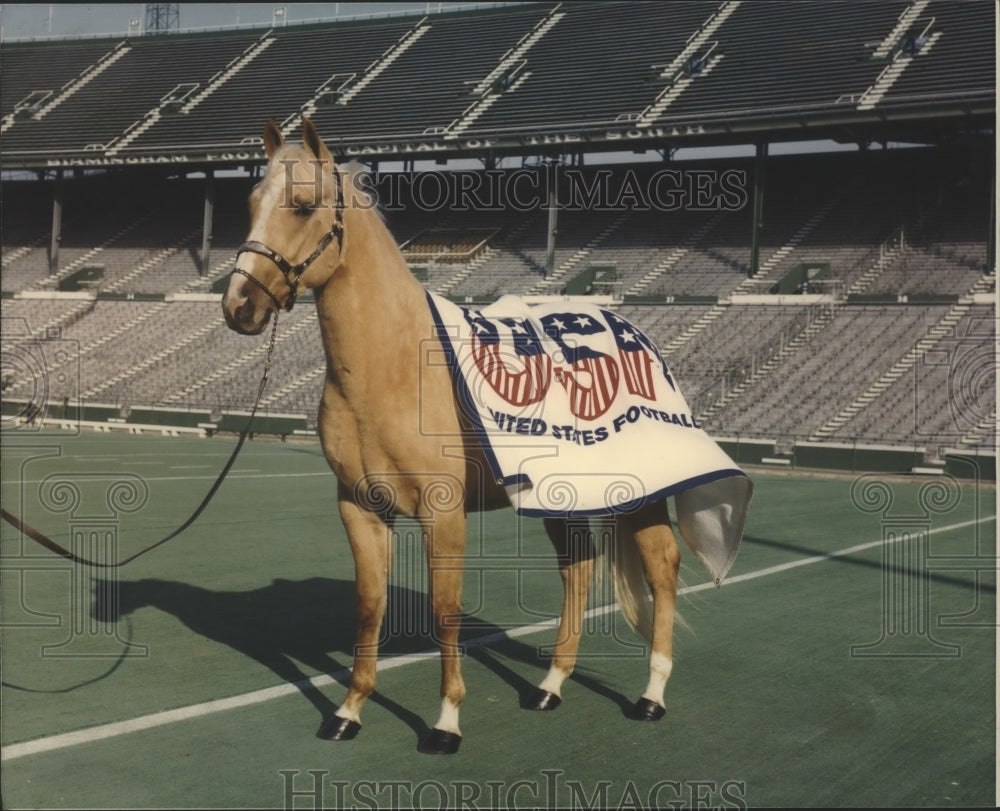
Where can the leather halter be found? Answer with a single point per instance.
(292, 273)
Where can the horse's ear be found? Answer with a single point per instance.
(310, 137)
(272, 137)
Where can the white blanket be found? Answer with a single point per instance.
(580, 416)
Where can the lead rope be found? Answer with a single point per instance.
(52, 546)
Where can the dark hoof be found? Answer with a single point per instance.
(646, 710)
(542, 700)
(439, 742)
(338, 729)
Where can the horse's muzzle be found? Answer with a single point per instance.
(241, 311)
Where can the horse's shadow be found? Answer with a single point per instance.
(295, 626)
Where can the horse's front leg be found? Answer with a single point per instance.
(661, 557)
(371, 544)
(575, 554)
(444, 538)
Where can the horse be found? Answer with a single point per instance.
(399, 442)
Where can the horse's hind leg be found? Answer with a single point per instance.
(575, 553)
(370, 542)
(660, 554)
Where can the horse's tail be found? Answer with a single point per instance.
(631, 591)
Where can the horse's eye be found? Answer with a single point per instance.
(303, 210)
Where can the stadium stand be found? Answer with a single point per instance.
(320, 60)
(867, 319)
(755, 73)
(130, 82)
(35, 75)
(566, 92)
(751, 65)
(436, 92)
(947, 41)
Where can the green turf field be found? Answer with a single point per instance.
(849, 659)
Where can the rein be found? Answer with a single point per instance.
(52, 546)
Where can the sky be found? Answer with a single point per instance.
(26, 20)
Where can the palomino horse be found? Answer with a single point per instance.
(394, 433)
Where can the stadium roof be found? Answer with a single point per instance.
(525, 79)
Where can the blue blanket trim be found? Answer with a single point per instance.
(466, 401)
(631, 506)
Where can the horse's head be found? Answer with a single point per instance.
(296, 230)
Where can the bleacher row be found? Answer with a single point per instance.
(182, 356)
(907, 223)
(522, 70)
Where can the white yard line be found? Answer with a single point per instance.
(113, 730)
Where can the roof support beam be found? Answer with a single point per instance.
(758, 207)
(56, 240)
(206, 225)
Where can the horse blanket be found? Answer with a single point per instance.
(579, 415)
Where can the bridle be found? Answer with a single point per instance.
(292, 273)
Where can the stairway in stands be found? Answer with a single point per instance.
(67, 269)
(511, 68)
(81, 81)
(51, 282)
(899, 59)
(213, 84)
(151, 262)
(551, 284)
(511, 237)
(674, 256)
(311, 377)
(747, 285)
(816, 324)
(309, 320)
(128, 328)
(376, 68)
(11, 256)
(150, 361)
(944, 329)
(675, 73)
